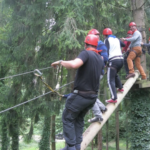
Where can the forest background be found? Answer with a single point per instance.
(35, 33)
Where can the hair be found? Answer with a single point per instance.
(88, 45)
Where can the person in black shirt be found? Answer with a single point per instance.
(89, 65)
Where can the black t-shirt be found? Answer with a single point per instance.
(88, 75)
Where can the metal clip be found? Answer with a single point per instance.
(37, 73)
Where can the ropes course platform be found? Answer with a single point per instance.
(140, 83)
(94, 128)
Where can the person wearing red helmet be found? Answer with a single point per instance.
(89, 65)
(135, 51)
(101, 47)
(115, 63)
(126, 53)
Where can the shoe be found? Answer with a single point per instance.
(103, 111)
(144, 78)
(111, 101)
(95, 119)
(121, 90)
(130, 75)
(68, 148)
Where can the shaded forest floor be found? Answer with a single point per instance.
(60, 144)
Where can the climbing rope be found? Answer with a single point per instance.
(33, 98)
(23, 73)
(39, 74)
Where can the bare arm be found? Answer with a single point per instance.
(71, 64)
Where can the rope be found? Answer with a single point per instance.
(22, 73)
(33, 99)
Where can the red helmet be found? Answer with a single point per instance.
(107, 31)
(129, 32)
(94, 31)
(132, 24)
(91, 39)
(149, 29)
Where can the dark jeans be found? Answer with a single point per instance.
(73, 117)
(113, 78)
(125, 63)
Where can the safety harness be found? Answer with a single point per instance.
(137, 55)
(39, 74)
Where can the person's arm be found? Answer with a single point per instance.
(71, 64)
(122, 44)
(147, 45)
(133, 38)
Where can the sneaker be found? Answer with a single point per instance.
(103, 111)
(130, 75)
(121, 90)
(95, 119)
(144, 78)
(111, 101)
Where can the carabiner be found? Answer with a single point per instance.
(37, 73)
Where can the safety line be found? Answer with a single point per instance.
(33, 98)
(22, 73)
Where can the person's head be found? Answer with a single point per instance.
(132, 26)
(129, 33)
(91, 40)
(95, 32)
(106, 32)
(149, 29)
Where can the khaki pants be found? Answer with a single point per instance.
(132, 56)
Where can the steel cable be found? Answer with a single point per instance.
(33, 98)
(23, 73)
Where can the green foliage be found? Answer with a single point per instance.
(139, 119)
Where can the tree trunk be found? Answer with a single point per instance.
(53, 132)
(14, 131)
(99, 139)
(107, 137)
(139, 19)
(106, 95)
(45, 142)
(5, 139)
(117, 128)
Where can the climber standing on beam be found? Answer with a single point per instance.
(135, 51)
(89, 65)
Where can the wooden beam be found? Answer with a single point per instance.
(93, 129)
(144, 84)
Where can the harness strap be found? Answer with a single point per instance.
(115, 57)
(132, 50)
(113, 68)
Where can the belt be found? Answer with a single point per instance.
(115, 57)
(84, 92)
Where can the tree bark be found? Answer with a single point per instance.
(117, 128)
(107, 137)
(53, 132)
(99, 139)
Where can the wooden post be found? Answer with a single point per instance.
(117, 127)
(93, 129)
